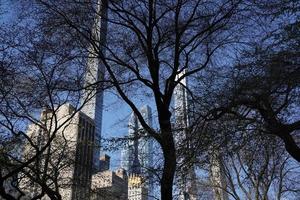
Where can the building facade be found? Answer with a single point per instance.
(218, 179)
(107, 184)
(187, 177)
(137, 184)
(188, 183)
(69, 157)
(137, 190)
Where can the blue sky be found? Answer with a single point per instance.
(114, 122)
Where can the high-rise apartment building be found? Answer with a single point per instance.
(92, 97)
(139, 144)
(187, 185)
(68, 158)
(217, 176)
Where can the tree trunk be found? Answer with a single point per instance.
(168, 147)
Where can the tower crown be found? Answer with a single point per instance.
(135, 180)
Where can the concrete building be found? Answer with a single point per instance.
(109, 185)
(69, 158)
(218, 179)
(142, 146)
(187, 179)
(182, 120)
(136, 188)
(92, 97)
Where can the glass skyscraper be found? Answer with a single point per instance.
(139, 142)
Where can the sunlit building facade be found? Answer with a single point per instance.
(137, 190)
(108, 184)
(70, 152)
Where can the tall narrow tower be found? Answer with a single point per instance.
(217, 176)
(128, 152)
(181, 103)
(137, 190)
(93, 94)
(187, 186)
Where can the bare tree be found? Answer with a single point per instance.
(149, 44)
(262, 87)
(36, 74)
(268, 174)
(265, 84)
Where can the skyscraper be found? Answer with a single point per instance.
(181, 103)
(93, 94)
(127, 153)
(217, 176)
(74, 136)
(187, 186)
(139, 147)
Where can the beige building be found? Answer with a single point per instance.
(137, 189)
(68, 160)
(107, 184)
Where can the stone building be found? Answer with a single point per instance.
(137, 189)
(69, 157)
(107, 184)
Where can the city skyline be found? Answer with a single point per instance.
(195, 99)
